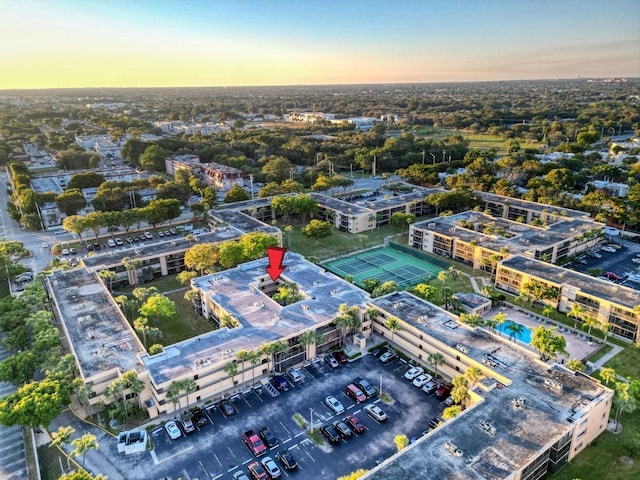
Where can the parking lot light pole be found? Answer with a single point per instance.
(380, 392)
(311, 423)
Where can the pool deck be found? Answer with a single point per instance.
(576, 347)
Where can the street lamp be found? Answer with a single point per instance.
(423, 156)
(311, 423)
(433, 155)
(380, 392)
(444, 152)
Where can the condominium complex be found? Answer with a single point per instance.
(216, 175)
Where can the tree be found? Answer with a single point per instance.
(605, 327)
(424, 291)
(515, 330)
(71, 201)
(34, 404)
(548, 343)
(155, 349)
(161, 210)
(576, 365)
(140, 324)
(20, 367)
(393, 325)
(401, 441)
(608, 375)
(354, 475)
(153, 158)
(460, 390)
(185, 277)
(435, 360)
(443, 276)
(402, 220)
(308, 338)
(473, 375)
(171, 190)
(202, 257)
(500, 318)
(623, 401)
(236, 194)
(83, 444)
(451, 412)
(384, 288)
(158, 307)
(277, 169)
(108, 276)
(243, 356)
(317, 229)
(575, 312)
(110, 199)
(81, 475)
(62, 436)
(590, 321)
(231, 369)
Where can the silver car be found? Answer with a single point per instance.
(334, 404)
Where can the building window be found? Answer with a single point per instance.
(195, 377)
(198, 399)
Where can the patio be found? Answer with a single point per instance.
(577, 346)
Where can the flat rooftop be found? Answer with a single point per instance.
(261, 319)
(596, 287)
(533, 206)
(101, 338)
(520, 432)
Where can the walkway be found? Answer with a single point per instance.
(13, 460)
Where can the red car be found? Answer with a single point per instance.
(443, 392)
(355, 424)
(612, 276)
(257, 472)
(340, 357)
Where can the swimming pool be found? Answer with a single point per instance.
(524, 336)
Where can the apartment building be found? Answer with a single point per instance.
(481, 240)
(221, 177)
(601, 299)
(525, 419)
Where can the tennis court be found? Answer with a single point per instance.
(385, 264)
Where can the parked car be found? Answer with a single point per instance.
(111, 242)
(365, 386)
(341, 357)
(271, 467)
(257, 472)
(119, 242)
(73, 251)
(330, 433)
(430, 387)
(342, 428)
(280, 383)
(413, 372)
(286, 460)
(129, 240)
(595, 255)
(378, 351)
(148, 236)
(376, 413)
(386, 357)
(334, 404)
(96, 246)
(333, 363)
(635, 260)
(355, 423)
(172, 430)
(608, 249)
(443, 392)
(199, 418)
(161, 234)
(45, 245)
(268, 437)
(355, 393)
(612, 276)
(65, 252)
(240, 475)
(295, 375)
(226, 408)
(187, 424)
(422, 380)
(90, 247)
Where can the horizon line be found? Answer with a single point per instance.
(26, 89)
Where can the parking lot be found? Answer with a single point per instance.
(620, 262)
(216, 450)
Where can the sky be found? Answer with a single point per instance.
(139, 43)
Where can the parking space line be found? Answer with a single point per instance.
(255, 392)
(217, 460)
(296, 436)
(247, 461)
(175, 454)
(351, 406)
(204, 469)
(286, 441)
(288, 432)
(231, 452)
(154, 457)
(246, 401)
(218, 476)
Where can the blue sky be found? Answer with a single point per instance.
(183, 43)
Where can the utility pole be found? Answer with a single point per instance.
(433, 155)
(251, 183)
(423, 157)
(444, 152)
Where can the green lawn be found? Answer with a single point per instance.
(163, 284)
(627, 362)
(186, 324)
(600, 353)
(601, 459)
(48, 458)
(338, 244)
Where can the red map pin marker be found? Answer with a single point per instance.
(275, 268)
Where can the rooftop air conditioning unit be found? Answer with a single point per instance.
(431, 225)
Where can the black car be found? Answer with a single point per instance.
(129, 240)
(268, 437)
(287, 460)
(199, 418)
(376, 352)
(342, 428)
(226, 408)
(90, 247)
(280, 383)
(330, 433)
(365, 386)
(96, 246)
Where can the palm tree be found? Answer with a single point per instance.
(491, 323)
(140, 324)
(188, 387)
(435, 360)
(575, 312)
(500, 318)
(254, 359)
(393, 325)
(108, 276)
(547, 310)
(62, 436)
(608, 375)
(605, 327)
(83, 444)
(243, 356)
(288, 229)
(231, 369)
(443, 276)
(473, 375)
(372, 313)
(515, 330)
(173, 394)
(590, 322)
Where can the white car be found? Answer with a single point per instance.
(45, 245)
(172, 429)
(422, 380)
(635, 260)
(65, 252)
(295, 376)
(386, 357)
(111, 242)
(413, 372)
(608, 249)
(334, 404)
(376, 413)
(595, 255)
(271, 467)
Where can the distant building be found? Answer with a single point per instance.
(221, 177)
(101, 144)
(473, 304)
(615, 189)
